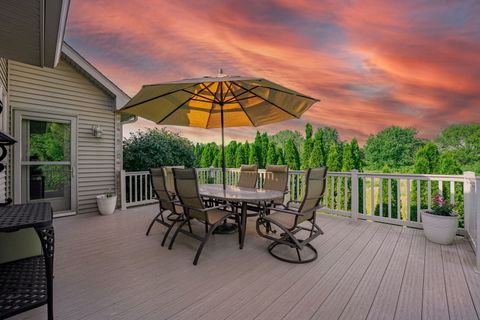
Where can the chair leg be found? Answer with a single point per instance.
(151, 223)
(176, 233)
(179, 218)
(200, 247)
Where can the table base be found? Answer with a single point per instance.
(226, 228)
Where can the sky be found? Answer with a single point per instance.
(372, 63)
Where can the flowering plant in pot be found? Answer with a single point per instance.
(106, 203)
(440, 223)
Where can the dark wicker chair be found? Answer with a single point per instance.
(166, 203)
(294, 221)
(186, 186)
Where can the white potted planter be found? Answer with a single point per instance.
(106, 203)
(439, 229)
(441, 222)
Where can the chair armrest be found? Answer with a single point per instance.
(289, 211)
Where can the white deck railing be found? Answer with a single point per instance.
(384, 197)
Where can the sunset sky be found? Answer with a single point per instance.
(372, 63)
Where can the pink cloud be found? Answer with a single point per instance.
(372, 63)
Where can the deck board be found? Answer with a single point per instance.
(106, 268)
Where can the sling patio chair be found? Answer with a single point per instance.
(276, 178)
(248, 176)
(170, 185)
(294, 222)
(186, 186)
(166, 202)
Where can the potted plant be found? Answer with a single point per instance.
(440, 223)
(106, 203)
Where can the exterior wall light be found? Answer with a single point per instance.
(97, 131)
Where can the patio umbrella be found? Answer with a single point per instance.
(218, 102)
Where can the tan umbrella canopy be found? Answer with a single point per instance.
(218, 102)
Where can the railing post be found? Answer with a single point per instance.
(471, 221)
(123, 190)
(355, 198)
(476, 212)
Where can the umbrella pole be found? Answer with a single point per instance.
(223, 147)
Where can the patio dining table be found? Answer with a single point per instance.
(239, 195)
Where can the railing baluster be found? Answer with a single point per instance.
(372, 196)
(346, 195)
(389, 197)
(440, 187)
(380, 196)
(408, 201)
(399, 201)
(452, 192)
(339, 207)
(429, 194)
(419, 202)
(364, 187)
(332, 200)
(130, 191)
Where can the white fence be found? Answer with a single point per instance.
(390, 198)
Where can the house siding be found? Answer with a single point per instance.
(3, 117)
(65, 90)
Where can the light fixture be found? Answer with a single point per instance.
(97, 131)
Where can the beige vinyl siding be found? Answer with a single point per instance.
(3, 115)
(65, 90)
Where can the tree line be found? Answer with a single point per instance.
(394, 149)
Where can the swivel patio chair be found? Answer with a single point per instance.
(293, 222)
(248, 176)
(186, 186)
(165, 201)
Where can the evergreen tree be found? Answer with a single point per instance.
(264, 149)
(448, 164)
(307, 146)
(347, 159)
(240, 155)
(333, 161)
(356, 155)
(246, 150)
(208, 155)
(292, 157)
(230, 154)
(253, 155)
(426, 162)
(317, 156)
(272, 156)
(280, 156)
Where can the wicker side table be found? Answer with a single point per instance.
(28, 283)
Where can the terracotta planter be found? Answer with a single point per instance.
(439, 229)
(106, 205)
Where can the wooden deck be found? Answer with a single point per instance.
(106, 268)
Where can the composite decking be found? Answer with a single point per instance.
(106, 268)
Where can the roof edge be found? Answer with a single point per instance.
(121, 98)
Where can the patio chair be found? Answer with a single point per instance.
(170, 186)
(186, 186)
(294, 221)
(165, 202)
(276, 178)
(248, 176)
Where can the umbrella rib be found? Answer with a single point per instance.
(241, 94)
(213, 94)
(245, 111)
(207, 99)
(295, 94)
(211, 109)
(174, 110)
(158, 97)
(268, 101)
